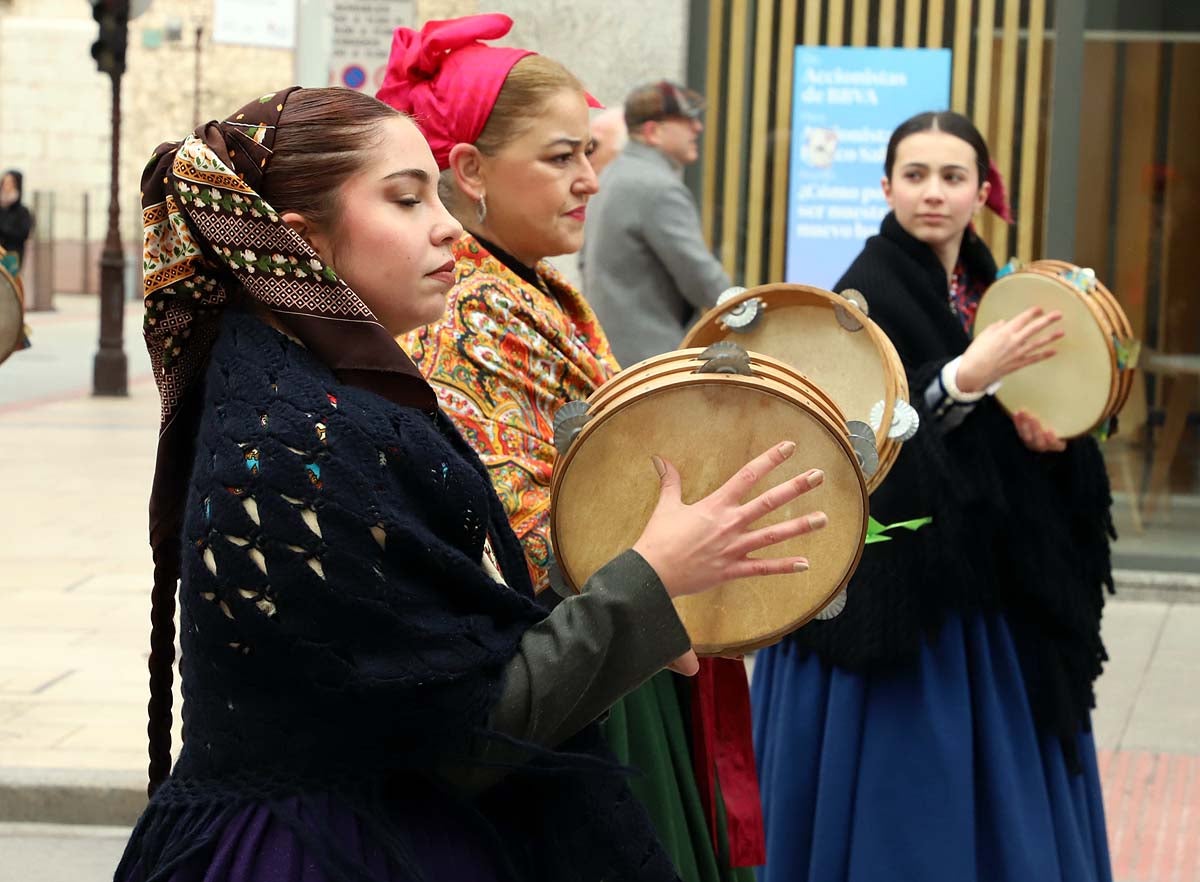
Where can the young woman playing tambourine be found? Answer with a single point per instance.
(939, 728)
(370, 690)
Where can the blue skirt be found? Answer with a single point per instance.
(933, 771)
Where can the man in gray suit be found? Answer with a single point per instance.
(646, 269)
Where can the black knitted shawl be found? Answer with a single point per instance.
(1013, 531)
(339, 632)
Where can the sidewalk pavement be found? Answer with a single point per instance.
(74, 573)
(75, 578)
(57, 853)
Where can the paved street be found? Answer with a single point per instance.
(74, 562)
(75, 581)
(55, 853)
(60, 362)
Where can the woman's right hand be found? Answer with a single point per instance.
(699, 546)
(1007, 346)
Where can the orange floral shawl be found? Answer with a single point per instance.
(502, 360)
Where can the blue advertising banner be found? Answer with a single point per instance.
(846, 103)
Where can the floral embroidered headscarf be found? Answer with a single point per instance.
(208, 235)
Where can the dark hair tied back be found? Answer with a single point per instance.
(325, 136)
(941, 121)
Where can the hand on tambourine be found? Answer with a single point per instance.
(1036, 436)
(1007, 346)
(687, 664)
(699, 546)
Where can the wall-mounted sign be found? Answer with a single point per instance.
(362, 40)
(846, 102)
(353, 77)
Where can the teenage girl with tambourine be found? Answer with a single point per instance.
(939, 728)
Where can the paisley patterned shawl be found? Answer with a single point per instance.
(210, 236)
(504, 358)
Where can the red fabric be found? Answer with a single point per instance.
(447, 80)
(997, 199)
(723, 750)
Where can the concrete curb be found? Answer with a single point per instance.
(71, 796)
(116, 798)
(1157, 587)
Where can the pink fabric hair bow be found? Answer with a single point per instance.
(447, 80)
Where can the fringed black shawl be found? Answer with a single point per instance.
(1013, 531)
(339, 634)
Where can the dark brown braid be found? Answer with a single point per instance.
(162, 657)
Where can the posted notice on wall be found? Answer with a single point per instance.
(846, 102)
(362, 40)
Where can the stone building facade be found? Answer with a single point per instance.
(55, 106)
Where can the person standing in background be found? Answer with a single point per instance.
(16, 221)
(646, 268)
(609, 137)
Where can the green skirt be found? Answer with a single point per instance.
(648, 730)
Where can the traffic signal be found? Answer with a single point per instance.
(109, 50)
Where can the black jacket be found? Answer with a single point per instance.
(16, 223)
(1014, 532)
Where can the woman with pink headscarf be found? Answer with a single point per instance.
(510, 132)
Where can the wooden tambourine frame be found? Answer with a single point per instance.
(604, 488)
(654, 371)
(12, 314)
(1112, 328)
(774, 299)
(1118, 323)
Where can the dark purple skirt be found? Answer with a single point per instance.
(272, 843)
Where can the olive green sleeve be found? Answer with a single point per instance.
(591, 650)
(572, 666)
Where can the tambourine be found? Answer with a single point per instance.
(831, 340)
(12, 313)
(709, 412)
(1089, 379)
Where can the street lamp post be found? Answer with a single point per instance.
(110, 369)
